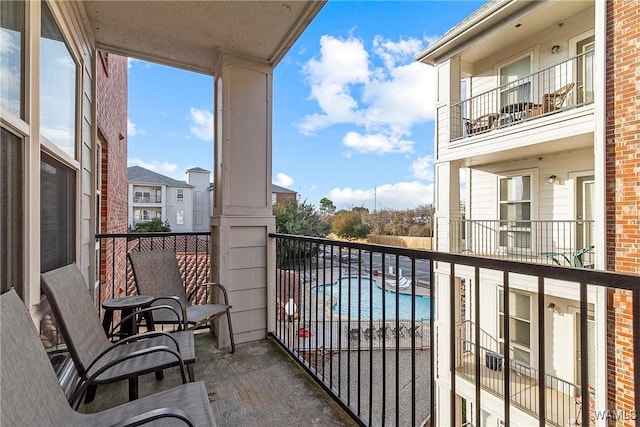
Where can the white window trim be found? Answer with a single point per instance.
(534, 174)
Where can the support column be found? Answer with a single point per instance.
(448, 228)
(242, 255)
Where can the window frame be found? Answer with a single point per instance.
(533, 179)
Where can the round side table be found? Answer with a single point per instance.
(127, 305)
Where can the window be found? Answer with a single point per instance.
(515, 86)
(515, 213)
(57, 86)
(179, 217)
(584, 76)
(11, 211)
(12, 36)
(519, 326)
(57, 214)
(180, 195)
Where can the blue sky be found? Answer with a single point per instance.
(352, 111)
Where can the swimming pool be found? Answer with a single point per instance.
(371, 297)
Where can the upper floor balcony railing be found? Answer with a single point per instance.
(563, 86)
(147, 199)
(558, 242)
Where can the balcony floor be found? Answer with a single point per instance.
(258, 385)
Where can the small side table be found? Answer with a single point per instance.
(127, 305)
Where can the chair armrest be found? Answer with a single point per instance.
(134, 338)
(211, 285)
(155, 414)
(85, 380)
(183, 307)
(145, 310)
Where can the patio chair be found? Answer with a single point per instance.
(550, 102)
(157, 274)
(32, 396)
(483, 123)
(98, 360)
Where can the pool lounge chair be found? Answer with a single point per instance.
(98, 360)
(32, 396)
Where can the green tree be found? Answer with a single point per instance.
(154, 226)
(302, 219)
(327, 207)
(349, 225)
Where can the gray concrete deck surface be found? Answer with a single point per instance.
(258, 385)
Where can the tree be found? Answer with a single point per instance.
(327, 207)
(349, 225)
(302, 219)
(154, 226)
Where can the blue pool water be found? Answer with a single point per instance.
(372, 297)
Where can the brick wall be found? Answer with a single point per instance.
(111, 105)
(622, 193)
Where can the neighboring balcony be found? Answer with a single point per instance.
(557, 242)
(564, 86)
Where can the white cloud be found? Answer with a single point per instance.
(377, 143)
(8, 44)
(422, 168)
(160, 167)
(201, 124)
(283, 180)
(401, 195)
(384, 101)
(132, 129)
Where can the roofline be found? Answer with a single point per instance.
(456, 36)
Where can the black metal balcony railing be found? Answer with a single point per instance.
(324, 321)
(114, 271)
(567, 243)
(376, 359)
(563, 86)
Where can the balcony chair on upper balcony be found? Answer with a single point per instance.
(551, 102)
(32, 396)
(157, 274)
(483, 123)
(98, 360)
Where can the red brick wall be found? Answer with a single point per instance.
(284, 197)
(623, 197)
(111, 105)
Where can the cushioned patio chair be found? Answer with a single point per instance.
(32, 396)
(98, 360)
(157, 274)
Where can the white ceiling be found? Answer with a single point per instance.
(186, 34)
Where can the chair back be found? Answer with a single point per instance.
(31, 394)
(75, 314)
(157, 274)
(556, 99)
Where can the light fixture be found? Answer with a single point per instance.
(555, 49)
(552, 179)
(553, 309)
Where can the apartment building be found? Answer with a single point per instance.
(184, 205)
(525, 92)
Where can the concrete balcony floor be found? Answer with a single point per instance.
(258, 385)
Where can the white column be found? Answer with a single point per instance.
(447, 199)
(242, 255)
